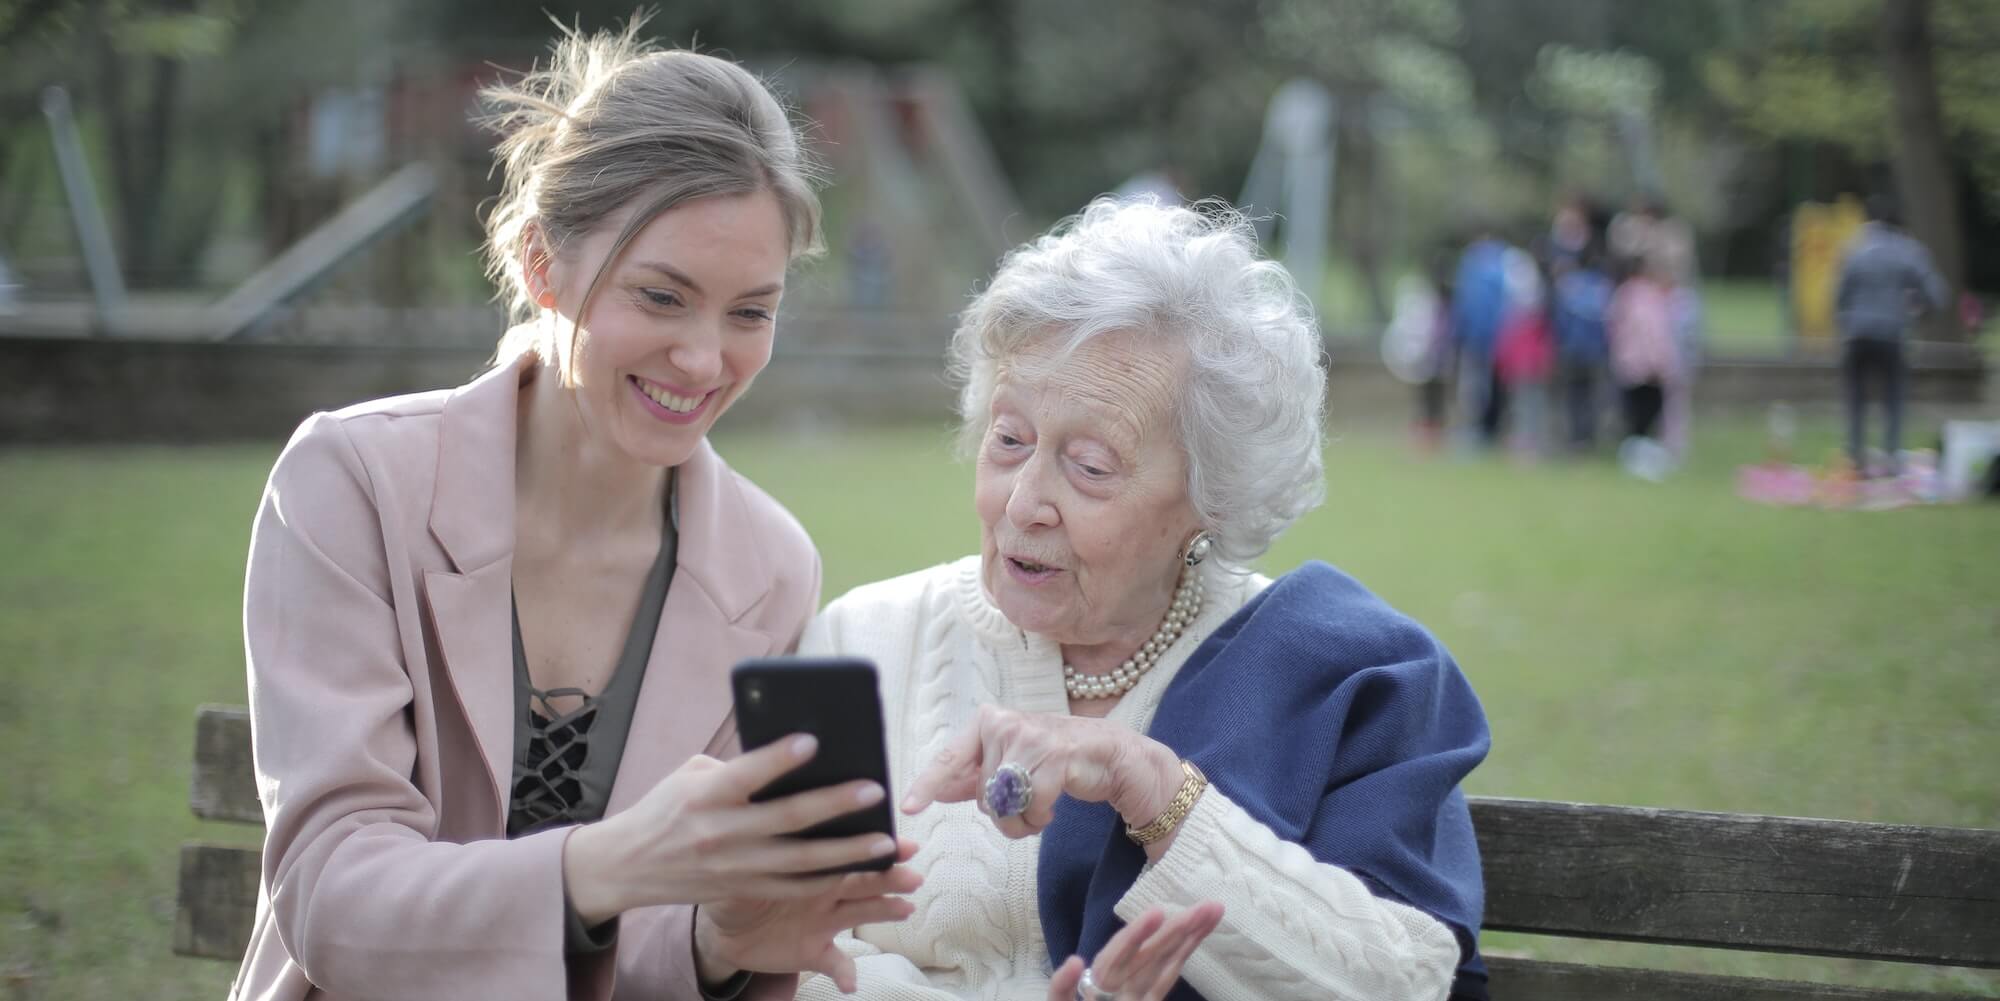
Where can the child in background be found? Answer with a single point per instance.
(1524, 356)
(1416, 347)
(1645, 362)
(1478, 310)
(1582, 302)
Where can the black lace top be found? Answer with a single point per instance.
(567, 744)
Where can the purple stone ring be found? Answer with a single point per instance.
(1008, 791)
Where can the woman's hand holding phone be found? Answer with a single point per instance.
(696, 838)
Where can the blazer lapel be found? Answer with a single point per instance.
(684, 701)
(472, 517)
(472, 617)
(721, 573)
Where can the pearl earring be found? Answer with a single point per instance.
(1197, 549)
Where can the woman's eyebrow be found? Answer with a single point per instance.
(682, 278)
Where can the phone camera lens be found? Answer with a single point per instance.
(755, 693)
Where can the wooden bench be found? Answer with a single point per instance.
(1767, 884)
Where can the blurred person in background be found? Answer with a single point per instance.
(1648, 231)
(1478, 308)
(1886, 281)
(1261, 775)
(1645, 362)
(489, 628)
(1417, 348)
(1663, 244)
(1434, 392)
(1525, 356)
(1571, 231)
(1582, 304)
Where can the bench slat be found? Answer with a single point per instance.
(225, 781)
(218, 901)
(1772, 884)
(1537, 980)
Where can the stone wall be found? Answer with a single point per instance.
(79, 389)
(68, 389)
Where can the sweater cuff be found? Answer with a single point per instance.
(1175, 880)
(1223, 853)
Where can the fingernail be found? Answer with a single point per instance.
(804, 744)
(909, 804)
(869, 794)
(883, 846)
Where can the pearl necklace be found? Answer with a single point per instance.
(1121, 679)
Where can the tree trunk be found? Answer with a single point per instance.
(139, 125)
(1360, 198)
(1921, 158)
(1001, 22)
(152, 262)
(22, 184)
(117, 145)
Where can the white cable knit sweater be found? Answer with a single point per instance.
(1293, 929)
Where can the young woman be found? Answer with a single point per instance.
(489, 628)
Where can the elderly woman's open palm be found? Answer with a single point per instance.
(1140, 963)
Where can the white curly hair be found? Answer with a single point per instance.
(1250, 414)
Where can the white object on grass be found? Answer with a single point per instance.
(1966, 444)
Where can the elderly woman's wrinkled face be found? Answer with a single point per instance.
(1082, 492)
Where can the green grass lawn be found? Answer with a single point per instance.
(1743, 315)
(1665, 645)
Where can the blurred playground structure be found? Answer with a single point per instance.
(918, 210)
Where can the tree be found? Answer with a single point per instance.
(1913, 84)
(1921, 155)
(127, 62)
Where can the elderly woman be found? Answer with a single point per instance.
(1143, 396)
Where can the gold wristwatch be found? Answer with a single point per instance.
(1177, 808)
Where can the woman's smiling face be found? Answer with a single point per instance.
(1081, 491)
(679, 326)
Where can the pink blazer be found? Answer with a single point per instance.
(375, 614)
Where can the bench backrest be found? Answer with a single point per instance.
(1768, 884)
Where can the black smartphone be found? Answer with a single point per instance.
(839, 701)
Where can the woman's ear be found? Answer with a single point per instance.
(537, 263)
